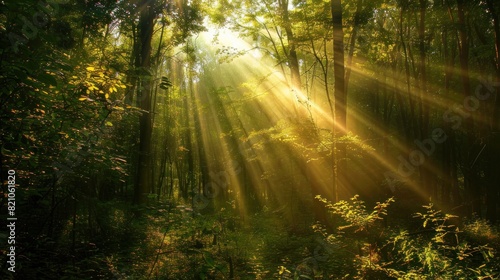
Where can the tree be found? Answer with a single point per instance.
(147, 17)
(340, 121)
(291, 51)
(472, 191)
(494, 138)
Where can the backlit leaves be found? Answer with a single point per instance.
(98, 81)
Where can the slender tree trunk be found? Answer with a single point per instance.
(449, 189)
(411, 117)
(472, 191)
(402, 105)
(163, 167)
(340, 121)
(188, 143)
(204, 178)
(134, 61)
(186, 161)
(189, 100)
(458, 199)
(157, 65)
(293, 60)
(423, 105)
(324, 70)
(493, 176)
(352, 43)
(425, 169)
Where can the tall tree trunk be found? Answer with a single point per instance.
(472, 191)
(189, 100)
(185, 161)
(293, 60)
(423, 105)
(411, 117)
(163, 158)
(493, 176)
(352, 43)
(458, 199)
(204, 178)
(291, 55)
(425, 169)
(449, 195)
(134, 61)
(340, 121)
(404, 119)
(143, 179)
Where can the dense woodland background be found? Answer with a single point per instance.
(234, 139)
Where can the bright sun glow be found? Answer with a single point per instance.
(254, 76)
(257, 76)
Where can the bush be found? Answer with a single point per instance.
(362, 247)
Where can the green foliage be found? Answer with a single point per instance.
(354, 213)
(438, 250)
(443, 254)
(165, 83)
(480, 231)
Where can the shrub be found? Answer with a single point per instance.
(363, 248)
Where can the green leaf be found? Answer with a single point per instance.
(47, 79)
(165, 83)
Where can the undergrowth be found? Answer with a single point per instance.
(113, 240)
(361, 246)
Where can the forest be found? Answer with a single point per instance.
(240, 139)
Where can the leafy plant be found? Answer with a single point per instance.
(438, 250)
